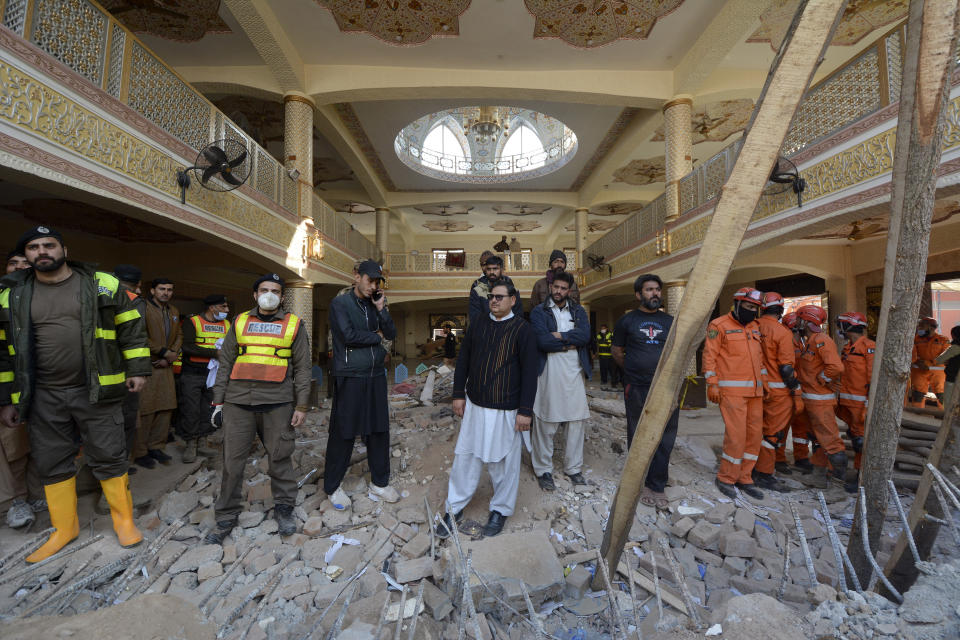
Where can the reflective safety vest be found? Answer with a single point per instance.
(207, 334)
(264, 348)
(178, 364)
(604, 342)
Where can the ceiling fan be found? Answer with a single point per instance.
(785, 176)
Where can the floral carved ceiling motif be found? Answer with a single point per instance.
(520, 210)
(716, 121)
(355, 208)
(399, 22)
(859, 19)
(448, 227)
(618, 209)
(640, 172)
(179, 20)
(594, 23)
(515, 227)
(596, 225)
(443, 209)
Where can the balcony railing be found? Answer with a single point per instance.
(86, 38)
(427, 262)
(863, 86)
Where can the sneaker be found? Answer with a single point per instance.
(546, 482)
(340, 500)
(784, 469)
(190, 452)
(20, 514)
(220, 532)
(726, 489)
(387, 493)
(576, 478)
(444, 532)
(146, 462)
(37, 505)
(159, 456)
(286, 523)
(751, 490)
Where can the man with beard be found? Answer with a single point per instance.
(492, 266)
(733, 368)
(159, 397)
(359, 322)
(541, 289)
(72, 347)
(638, 340)
(262, 391)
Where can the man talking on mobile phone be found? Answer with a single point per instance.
(358, 322)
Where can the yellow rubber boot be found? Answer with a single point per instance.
(117, 492)
(62, 503)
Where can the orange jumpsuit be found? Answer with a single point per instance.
(777, 343)
(857, 360)
(926, 349)
(733, 360)
(820, 370)
(799, 425)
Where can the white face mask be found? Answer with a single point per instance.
(268, 301)
(220, 315)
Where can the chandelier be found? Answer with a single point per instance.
(487, 125)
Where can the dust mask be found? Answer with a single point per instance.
(220, 315)
(268, 301)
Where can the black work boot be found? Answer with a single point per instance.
(494, 524)
(726, 489)
(546, 482)
(751, 490)
(220, 532)
(783, 469)
(444, 532)
(804, 465)
(767, 481)
(286, 523)
(839, 463)
(159, 456)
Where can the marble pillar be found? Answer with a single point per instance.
(383, 230)
(679, 149)
(298, 147)
(298, 300)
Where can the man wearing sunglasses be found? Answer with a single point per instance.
(493, 391)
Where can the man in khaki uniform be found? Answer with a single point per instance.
(262, 390)
(159, 397)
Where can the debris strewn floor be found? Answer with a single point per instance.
(359, 573)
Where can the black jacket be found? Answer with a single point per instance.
(357, 351)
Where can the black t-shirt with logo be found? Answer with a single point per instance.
(642, 336)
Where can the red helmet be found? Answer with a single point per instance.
(748, 294)
(813, 315)
(790, 320)
(771, 299)
(854, 318)
(930, 321)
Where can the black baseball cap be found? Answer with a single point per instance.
(215, 299)
(128, 273)
(371, 269)
(270, 277)
(39, 231)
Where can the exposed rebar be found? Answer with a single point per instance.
(416, 611)
(63, 582)
(27, 548)
(865, 539)
(338, 623)
(834, 540)
(946, 513)
(57, 556)
(807, 559)
(678, 576)
(403, 604)
(615, 620)
(203, 604)
(786, 568)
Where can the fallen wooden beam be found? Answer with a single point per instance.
(645, 580)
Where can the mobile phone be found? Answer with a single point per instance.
(376, 295)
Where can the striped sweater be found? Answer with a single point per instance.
(498, 363)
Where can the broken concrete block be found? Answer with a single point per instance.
(325, 594)
(719, 513)
(416, 569)
(682, 527)
(249, 519)
(295, 587)
(405, 532)
(436, 601)
(577, 583)
(313, 526)
(419, 545)
(484, 628)
(209, 570)
(738, 544)
(704, 535)
(178, 504)
(411, 515)
(743, 520)
(193, 558)
(334, 518)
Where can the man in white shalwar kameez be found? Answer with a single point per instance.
(563, 335)
(493, 390)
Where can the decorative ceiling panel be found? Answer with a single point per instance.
(618, 209)
(520, 210)
(717, 121)
(859, 19)
(398, 22)
(355, 208)
(516, 227)
(444, 209)
(596, 225)
(448, 227)
(594, 23)
(179, 20)
(640, 172)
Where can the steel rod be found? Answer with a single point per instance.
(781, 590)
(614, 618)
(338, 623)
(226, 576)
(403, 604)
(865, 539)
(905, 524)
(27, 548)
(416, 611)
(684, 589)
(63, 582)
(57, 556)
(807, 559)
(834, 540)
(946, 513)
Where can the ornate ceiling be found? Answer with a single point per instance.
(618, 209)
(594, 23)
(179, 20)
(859, 19)
(594, 226)
(444, 209)
(641, 172)
(717, 121)
(399, 22)
(448, 227)
(520, 209)
(516, 227)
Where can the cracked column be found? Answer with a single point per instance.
(679, 149)
(298, 147)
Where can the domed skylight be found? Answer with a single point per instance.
(485, 144)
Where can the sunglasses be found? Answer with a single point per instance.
(496, 296)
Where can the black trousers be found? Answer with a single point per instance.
(634, 397)
(337, 459)
(194, 404)
(131, 419)
(609, 368)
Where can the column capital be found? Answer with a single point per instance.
(677, 100)
(379, 209)
(298, 97)
(675, 283)
(578, 209)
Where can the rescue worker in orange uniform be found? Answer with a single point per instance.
(925, 374)
(820, 372)
(733, 368)
(799, 425)
(857, 357)
(782, 388)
